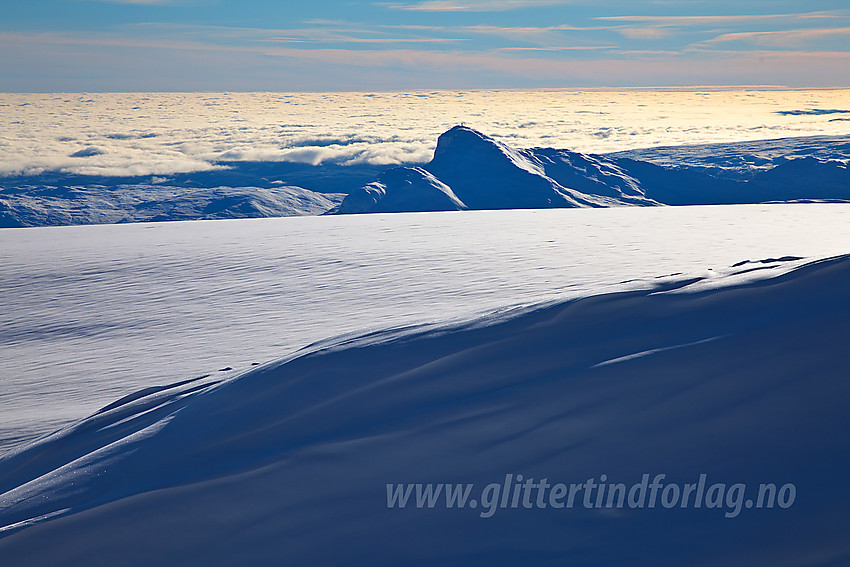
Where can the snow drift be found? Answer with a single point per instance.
(745, 381)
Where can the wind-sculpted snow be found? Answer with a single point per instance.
(744, 380)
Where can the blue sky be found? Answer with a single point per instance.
(339, 45)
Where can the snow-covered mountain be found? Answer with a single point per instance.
(487, 174)
(484, 173)
(479, 172)
(744, 159)
(591, 175)
(801, 179)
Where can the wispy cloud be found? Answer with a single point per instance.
(660, 27)
(784, 38)
(497, 30)
(339, 33)
(720, 19)
(340, 37)
(473, 5)
(643, 33)
(569, 48)
(552, 36)
(445, 61)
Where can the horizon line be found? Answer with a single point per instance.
(674, 88)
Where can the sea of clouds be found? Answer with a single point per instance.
(113, 134)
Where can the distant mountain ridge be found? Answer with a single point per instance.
(100, 204)
(469, 171)
(479, 172)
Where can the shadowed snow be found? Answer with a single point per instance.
(745, 382)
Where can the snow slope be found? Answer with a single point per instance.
(742, 378)
(91, 313)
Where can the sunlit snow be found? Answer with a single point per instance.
(92, 313)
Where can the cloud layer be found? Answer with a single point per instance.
(167, 133)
